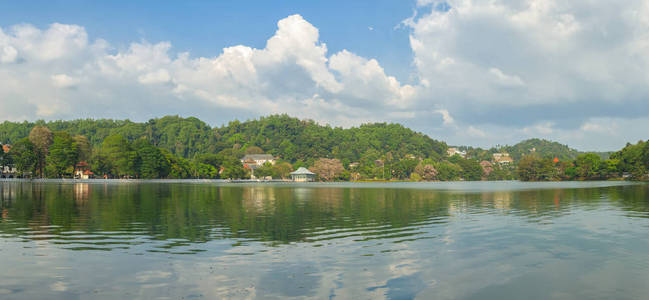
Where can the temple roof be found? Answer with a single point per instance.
(302, 171)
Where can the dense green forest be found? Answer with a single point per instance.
(176, 147)
(540, 147)
(280, 135)
(632, 162)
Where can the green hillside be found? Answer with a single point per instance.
(290, 138)
(176, 147)
(541, 147)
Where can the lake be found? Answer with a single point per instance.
(211, 240)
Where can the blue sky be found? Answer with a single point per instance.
(478, 72)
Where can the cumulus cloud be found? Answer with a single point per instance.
(534, 67)
(485, 72)
(63, 81)
(58, 72)
(446, 116)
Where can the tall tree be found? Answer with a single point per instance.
(84, 148)
(587, 165)
(62, 154)
(5, 157)
(426, 171)
(402, 169)
(152, 163)
(123, 158)
(254, 150)
(232, 168)
(41, 137)
(328, 169)
(282, 170)
(24, 156)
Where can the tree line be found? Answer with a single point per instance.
(175, 147)
(54, 154)
(631, 162)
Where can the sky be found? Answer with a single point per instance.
(468, 72)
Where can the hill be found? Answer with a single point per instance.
(541, 147)
(290, 138)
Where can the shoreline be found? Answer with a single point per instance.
(324, 183)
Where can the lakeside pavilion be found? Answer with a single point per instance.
(302, 175)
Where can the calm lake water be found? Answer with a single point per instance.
(195, 239)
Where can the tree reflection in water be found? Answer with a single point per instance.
(277, 214)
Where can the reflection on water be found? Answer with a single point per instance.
(394, 241)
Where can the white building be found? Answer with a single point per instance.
(502, 158)
(302, 175)
(254, 161)
(452, 151)
(8, 172)
(258, 159)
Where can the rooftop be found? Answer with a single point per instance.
(258, 157)
(302, 171)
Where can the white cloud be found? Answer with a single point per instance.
(292, 74)
(158, 76)
(475, 132)
(64, 81)
(8, 54)
(524, 65)
(542, 129)
(446, 116)
(506, 80)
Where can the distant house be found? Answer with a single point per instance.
(254, 161)
(82, 171)
(502, 158)
(258, 159)
(8, 171)
(302, 175)
(452, 151)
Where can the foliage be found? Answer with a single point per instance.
(254, 150)
(448, 171)
(176, 147)
(152, 163)
(587, 165)
(41, 138)
(633, 159)
(328, 169)
(231, 168)
(426, 171)
(279, 170)
(62, 155)
(84, 148)
(402, 169)
(290, 138)
(534, 168)
(24, 156)
(470, 169)
(541, 148)
(500, 172)
(119, 152)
